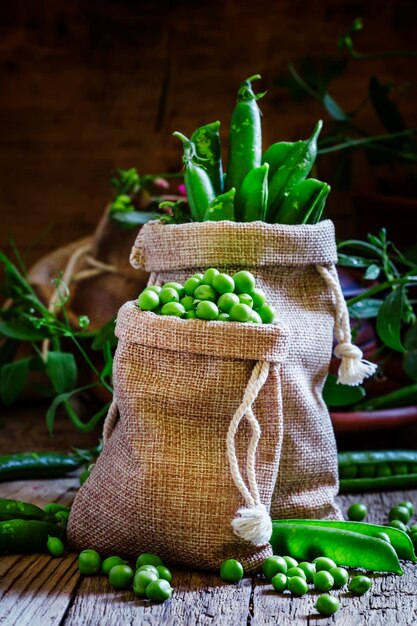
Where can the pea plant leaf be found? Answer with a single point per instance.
(104, 335)
(62, 370)
(62, 398)
(333, 109)
(341, 395)
(388, 321)
(372, 272)
(347, 260)
(130, 219)
(368, 307)
(23, 330)
(13, 377)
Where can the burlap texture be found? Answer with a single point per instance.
(163, 483)
(101, 295)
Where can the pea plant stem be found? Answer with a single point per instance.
(408, 280)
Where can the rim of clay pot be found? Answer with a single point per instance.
(385, 419)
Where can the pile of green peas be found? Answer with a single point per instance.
(286, 574)
(399, 517)
(149, 579)
(210, 296)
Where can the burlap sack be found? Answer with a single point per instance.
(215, 425)
(96, 270)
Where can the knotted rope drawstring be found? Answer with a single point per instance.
(69, 275)
(353, 368)
(253, 522)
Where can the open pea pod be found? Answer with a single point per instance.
(221, 208)
(29, 536)
(345, 547)
(400, 541)
(208, 148)
(251, 201)
(305, 203)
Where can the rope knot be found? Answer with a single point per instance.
(347, 351)
(253, 524)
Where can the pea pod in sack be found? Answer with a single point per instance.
(245, 137)
(198, 185)
(345, 547)
(377, 469)
(252, 199)
(222, 207)
(305, 203)
(292, 172)
(26, 536)
(277, 153)
(400, 541)
(208, 148)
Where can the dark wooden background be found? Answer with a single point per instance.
(91, 85)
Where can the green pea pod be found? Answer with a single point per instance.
(345, 547)
(245, 137)
(306, 199)
(222, 207)
(277, 153)
(251, 201)
(15, 509)
(377, 483)
(30, 465)
(208, 148)
(54, 507)
(294, 169)
(198, 185)
(18, 535)
(400, 541)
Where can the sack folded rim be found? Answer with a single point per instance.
(231, 340)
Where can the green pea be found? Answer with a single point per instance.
(279, 582)
(121, 576)
(62, 517)
(296, 571)
(155, 288)
(413, 528)
(240, 313)
(357, 512)
(360, 585)
(226, 301)
(173, 308)
(413, 538)
(231, 571)
(55, 546)
(274, 565)
(89, 562)
(324, 563)
(383, 536)
(187, 302)
(148, 568)
(297, 585)
(148, 300)
(141, 580)
(348, 471)
(408, 505)
(223, 283)
(290, 561)
(199, 276)
(177, 286)
(245, 298)
(110, 562)
(168, 295)
(366, 470)
(340, 576)
(267, 313)
(191, 285)
(245, 282)
(209, 275)
(399, 468)
(159, 590)
(147, 558)
(207, 310)
(190, 315)
(256, 318)
(309, 570)
(205, 292)
(258, 298)
(399, 513)
(164, 573)
(223, 317)
(383, 469)
(323, 581)
(398, 524)
(327, 605)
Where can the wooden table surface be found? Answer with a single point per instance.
(39, 590)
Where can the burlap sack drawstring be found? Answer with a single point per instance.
(69, 276)
(353, 368)
(253, 522)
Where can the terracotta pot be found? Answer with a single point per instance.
(386, 419)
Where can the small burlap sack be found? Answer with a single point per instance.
(215, 425)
